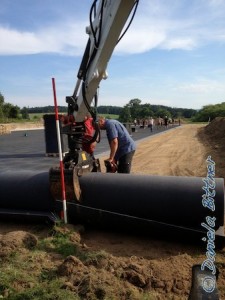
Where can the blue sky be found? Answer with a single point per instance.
(173, 54)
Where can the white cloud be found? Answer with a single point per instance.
(156, 25)
(67, 39)
(179, 43)
(16, 42)
(140, 41)
(202, 86)
(168, 26)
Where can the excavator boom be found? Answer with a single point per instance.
(107, 21)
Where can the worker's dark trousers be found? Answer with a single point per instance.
(124, 163)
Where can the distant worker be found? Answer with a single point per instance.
(122, 146)
(87, 145)
(151, 123)
(166, 121)
(158, 122)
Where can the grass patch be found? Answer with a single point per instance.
(31, 276)
(110, 116)
(61, 243)
(52, 291)
(14, 275)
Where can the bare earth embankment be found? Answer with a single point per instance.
(9, 127)
(133, 267)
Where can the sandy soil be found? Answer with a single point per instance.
(149, 264)
(7, 128)
(180, 152)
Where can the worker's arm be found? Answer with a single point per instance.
(113, 148)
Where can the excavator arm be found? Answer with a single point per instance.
(107, 20)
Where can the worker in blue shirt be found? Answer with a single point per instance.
(122, 146)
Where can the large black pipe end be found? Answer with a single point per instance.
(167, 199)
(25, 190)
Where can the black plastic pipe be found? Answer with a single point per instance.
(176, 201)
(167, 199)
(25, 190)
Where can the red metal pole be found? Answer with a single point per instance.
(60, 153)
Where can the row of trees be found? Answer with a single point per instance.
(210, 112)
(135, 110)
(7, 110)
(45, 109)
(110, 110)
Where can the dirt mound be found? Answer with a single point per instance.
(8, 128)
(212, 136)
(94, 282)
(15, 240)
(101, 275)
(127, 278)
(216, 128)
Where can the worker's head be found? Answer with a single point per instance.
(101, 122)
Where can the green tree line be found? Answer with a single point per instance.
(8, 110)
(111, 110)
(210, 112)
(134, 109)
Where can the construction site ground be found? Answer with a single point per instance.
(129, 265)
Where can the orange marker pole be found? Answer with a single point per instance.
(60, 153)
